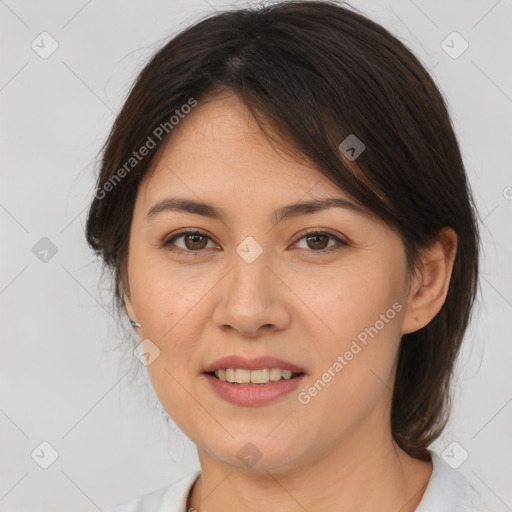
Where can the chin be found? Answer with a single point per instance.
(257, 453)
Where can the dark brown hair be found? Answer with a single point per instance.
(316, 72)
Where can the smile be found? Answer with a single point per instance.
(250, 393)
(245, 376)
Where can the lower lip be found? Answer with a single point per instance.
(253, 394)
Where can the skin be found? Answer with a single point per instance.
(293, 302)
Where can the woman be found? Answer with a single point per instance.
(285, 210)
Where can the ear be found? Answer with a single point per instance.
(429, 285)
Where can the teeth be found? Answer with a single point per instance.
(275, 374)
(244, 376)
(260, 376)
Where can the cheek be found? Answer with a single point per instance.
(169, 306)
(344, 301)
(165, 294)
(353, 380)
(359, 336)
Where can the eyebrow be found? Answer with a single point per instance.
(177, 204)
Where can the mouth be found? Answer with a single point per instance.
(260, 376)
(253, 382)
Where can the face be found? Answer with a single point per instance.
(319, 293)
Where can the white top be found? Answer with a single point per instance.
(447, 491)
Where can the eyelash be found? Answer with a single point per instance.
(181, 252)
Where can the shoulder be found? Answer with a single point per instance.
(449, 490)
(172, 498)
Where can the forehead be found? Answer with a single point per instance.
(219, 151)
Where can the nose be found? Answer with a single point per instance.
(253, 299)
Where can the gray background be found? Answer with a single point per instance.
(64, 379)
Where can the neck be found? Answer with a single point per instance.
(369, 475)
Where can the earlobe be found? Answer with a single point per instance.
(430, 283)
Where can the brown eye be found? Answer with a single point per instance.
(318, 241)
(193, 243)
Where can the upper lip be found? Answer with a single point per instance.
(252, 364)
